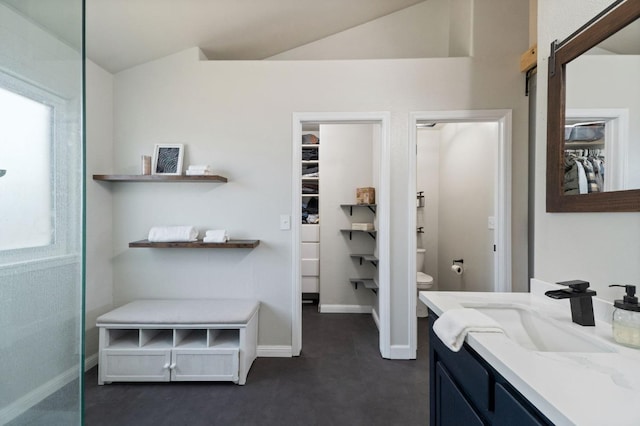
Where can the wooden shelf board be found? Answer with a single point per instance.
(196, 244)
(159, 178)
(310, 145)
(369, 283)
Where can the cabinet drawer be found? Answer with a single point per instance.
(205, 364)
(471, 376)
(310, 233)
(511, 411)
(310, 250)
(310, 267)
(310, 284)
(135, 365)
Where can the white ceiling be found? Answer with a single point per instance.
(124, 33)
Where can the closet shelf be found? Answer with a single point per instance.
(366, 258)
(372, 233)
(369, 283)
(159, 178)
(371, 207)
(196, 244)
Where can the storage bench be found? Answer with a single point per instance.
(178, 340)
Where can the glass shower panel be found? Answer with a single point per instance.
(41, 211)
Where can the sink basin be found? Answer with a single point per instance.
(530, 330)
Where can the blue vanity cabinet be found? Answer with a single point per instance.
(465, 390)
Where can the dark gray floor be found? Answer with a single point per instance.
(340, 379)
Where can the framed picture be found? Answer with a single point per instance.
(167, 159)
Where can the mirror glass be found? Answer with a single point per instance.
(602, 116)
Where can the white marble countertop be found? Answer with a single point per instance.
(570, 388)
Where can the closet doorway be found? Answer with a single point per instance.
(335, 192)
(459, 202)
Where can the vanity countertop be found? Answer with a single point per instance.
(581, 388)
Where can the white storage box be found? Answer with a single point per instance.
(310, 250)
(362, 226)
(310, 233)
(310, 267)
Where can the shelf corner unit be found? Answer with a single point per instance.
(160, 178)
(196, 244)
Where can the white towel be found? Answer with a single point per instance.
(167, 234)
(200, 168)
(216, 236)
(198, 172)
(453, 325)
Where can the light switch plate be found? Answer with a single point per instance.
(285, 222)
(491, 222)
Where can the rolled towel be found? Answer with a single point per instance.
(216, 236)
(168, 234)
(198, 172)
(200, 168)
(453, 326)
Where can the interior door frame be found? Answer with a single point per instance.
(382, 211)
(502, 203)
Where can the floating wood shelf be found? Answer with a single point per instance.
(196, 244)
(369, 283)
(159, 178)
(372, 233)
(366, 257)
(371, 207)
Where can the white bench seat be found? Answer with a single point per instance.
(178, 339)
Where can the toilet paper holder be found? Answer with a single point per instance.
(456, 266)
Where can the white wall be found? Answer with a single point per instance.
(419, 31)
(237, 117)
(428, 180)
(99, 199)
(468, 164)
(346, 152)
(598, 247)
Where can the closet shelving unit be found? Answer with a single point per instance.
(310, 158)
(369, 283)
(177, 178)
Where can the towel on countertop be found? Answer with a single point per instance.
(216, 236)
(168, 234)
(453, 325)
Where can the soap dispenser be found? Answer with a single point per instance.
(626, 318)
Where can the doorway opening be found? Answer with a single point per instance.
(459, 211)
(377, 123)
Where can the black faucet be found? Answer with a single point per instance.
(580, 299)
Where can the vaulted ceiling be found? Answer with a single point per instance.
(124, 33)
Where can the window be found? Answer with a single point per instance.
(33, 195)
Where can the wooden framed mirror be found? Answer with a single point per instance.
(593, 118)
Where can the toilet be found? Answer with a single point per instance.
(423, 282)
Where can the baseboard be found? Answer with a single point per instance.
(376, 318)
(274, 351)
(32, 398)
(345, 309)
(401, 352)
(90, 362)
